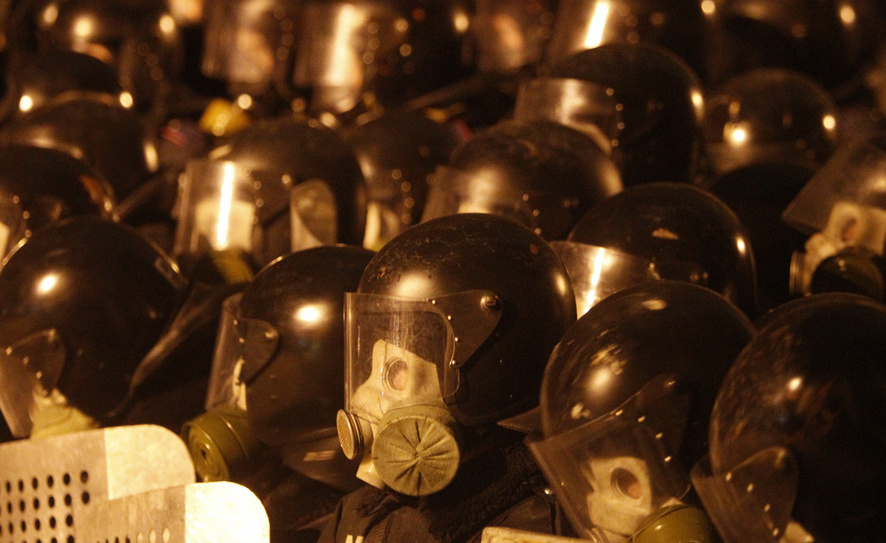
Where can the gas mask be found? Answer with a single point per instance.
(617, 473)
(848, 225)
(395, 417)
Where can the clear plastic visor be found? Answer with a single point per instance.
(225, 387)
(752, 501)
(596, 272)
(241, 40)
(613, 473)
(394, 349)
(584, 106)
(29, 372)
(856, 174)
(216, 208)
(340, 43)
(12, 224)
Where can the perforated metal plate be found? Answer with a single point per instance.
(217, 512)
(46, 483)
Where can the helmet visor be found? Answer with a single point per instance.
(225, 386)
(587, 107)
(216, 208)
(855, 174)
(241, 40)
(394, 347)
(313, 215)
(614, 472)
(339, 44)
(752, 501)
(11, 224)
(596, 272)
(29, 372)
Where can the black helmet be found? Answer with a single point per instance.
(542, 174)
(34, 80)
(40, 186)
(139, 38)
(796, 440)
(830, 40)
(662, 107)
(685, 231)
(449, 330)
(393, 50)
(769, 114)
(625, 404)
(81, 304)
(96, 129)
(677, 25)
(288, 357)
(276, 186)
(397, 152)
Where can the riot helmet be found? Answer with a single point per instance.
(397, 152)
(795, 437)
(83, 302)
(139, 38)
(769, 114)
(279, 364)
(448, 333)
(677, 25)
(662, 107)
(35, 80)
(108, 137)
(829, 40)
(625, 406)
(249, 46)
(542, 174)
(842, 205)
(40, 186)
(277, 186)
(392, 51)
(684, 230)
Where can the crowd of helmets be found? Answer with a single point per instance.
(417, 270)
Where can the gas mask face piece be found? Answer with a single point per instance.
(395, 417)
(622, 494)
(617, 472)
